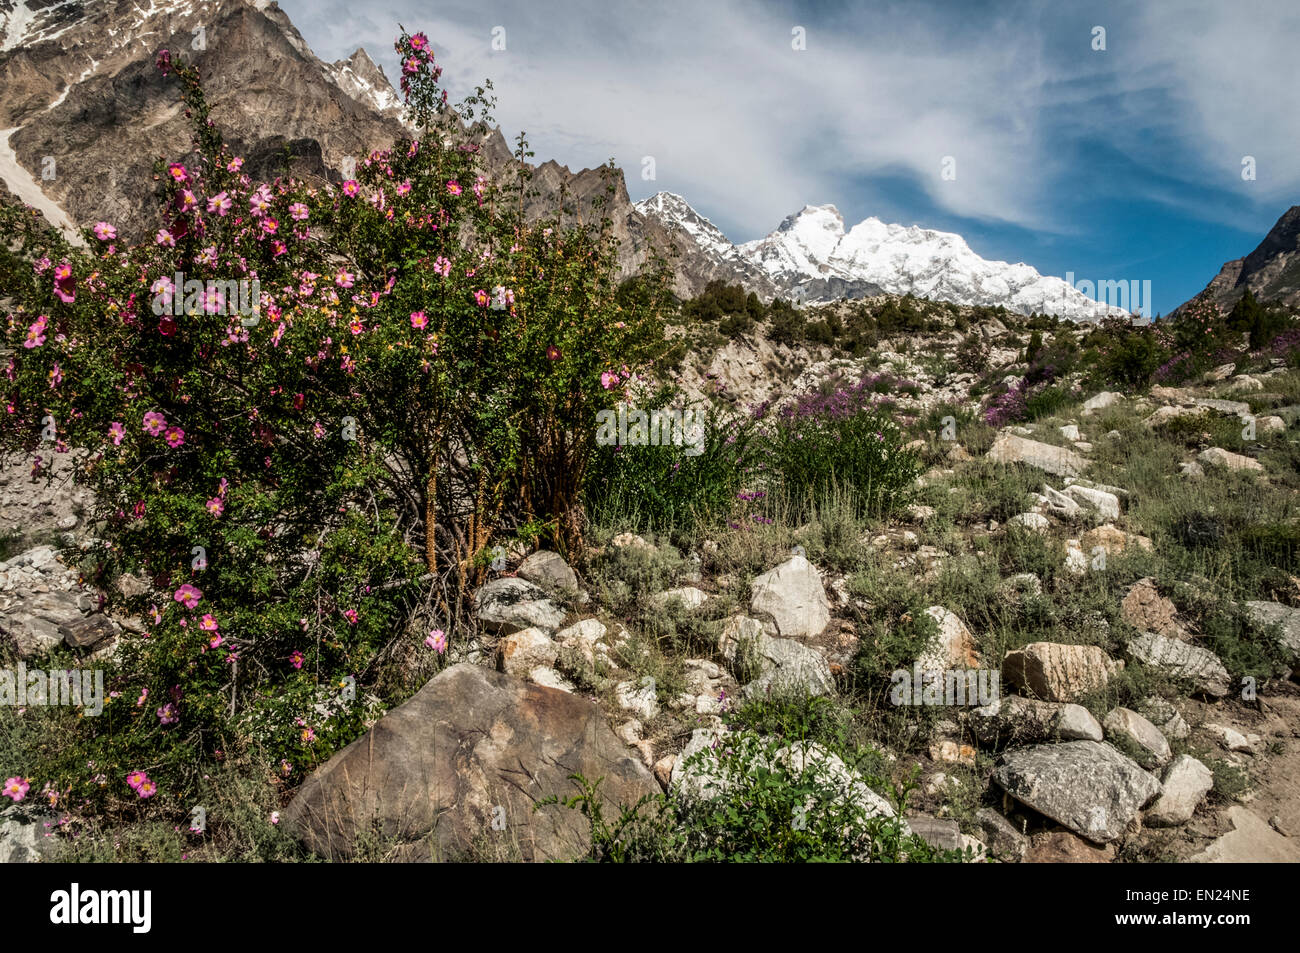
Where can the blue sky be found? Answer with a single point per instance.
(1117, 164)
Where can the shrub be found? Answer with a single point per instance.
(1008, 407)
(796, 718)
(786, 327)
(973, 353)
(415, 370)
(1046, 401)
(735, 325)
(771, 808)
(1034, 346)
(1133, 361)
(626, 576)
(842, 440)
(1034, 395)
(1261, 324)
(669, 488)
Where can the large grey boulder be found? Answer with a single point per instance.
(1008, 448)
(698, 773)
(1104, 504)
(23, 835)
(1059, 504)
(1033, 522)
(88, 631)
(792, 597)
(509, 604)
(1004, 841)
(789, 668)
(549, 570)
(1086, 786)
(774, 666)
(1016, 720)
(1107, 398)
(943, 833)
(1164, 716)
(1182, 660)
(36, 621)
(581, 645)
(688, 597)
(1229, 408)
(641, 697)
(1226, 458)
(1185, 785)
(459, 768)
(704, 770)
(1164, 415)
(1137, 731)
(1287, 619)
(1057, 671)
(804, 756)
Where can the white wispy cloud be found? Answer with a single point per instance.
(750, 129)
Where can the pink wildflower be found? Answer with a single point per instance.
(188, 595)
(16, 788)
(154, 423)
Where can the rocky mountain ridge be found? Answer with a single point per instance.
(1271, 271)
(82, 91)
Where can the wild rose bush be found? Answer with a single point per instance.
(290, 486)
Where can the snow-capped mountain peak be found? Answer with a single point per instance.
(363, 79)
(811, 256)
(673, 210)
(812, 218)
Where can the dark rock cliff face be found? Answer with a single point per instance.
(1271, 271)
(80, 88)
(90, 98)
